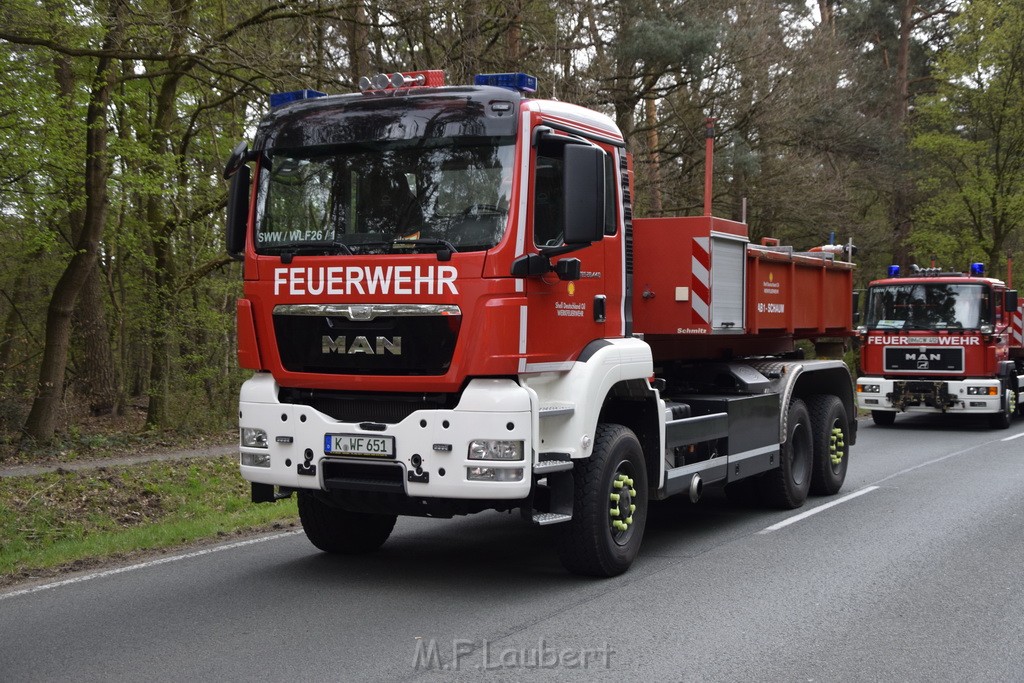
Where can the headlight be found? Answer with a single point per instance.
(256, 459)
(254, 438)
(492, 449)
(494, 474)
(982, 391)
(869, 388)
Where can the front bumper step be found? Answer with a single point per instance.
(545, 518)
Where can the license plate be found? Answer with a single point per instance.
(359, 444)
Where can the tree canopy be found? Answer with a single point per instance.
(893, 124)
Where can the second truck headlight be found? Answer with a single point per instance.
(254, 438)
(495, 449)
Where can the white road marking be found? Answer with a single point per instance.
(813, 511)
(146, 565)
(868, 489)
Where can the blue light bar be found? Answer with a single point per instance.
(894, 271)
(977, 269)
(279, 98)
(518, 81)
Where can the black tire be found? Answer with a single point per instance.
(339, 531)
(883, 418)
(830, 426)
(594, 543)
(787, 486)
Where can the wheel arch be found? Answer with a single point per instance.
(800, 379)
(610, 373)
(635, 405)
(829, 380)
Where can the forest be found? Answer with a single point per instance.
(897, 124)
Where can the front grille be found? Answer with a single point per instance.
(346, 407)
(935, 359)
(340, 475)
(386, 345)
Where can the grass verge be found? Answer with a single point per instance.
(74, 520)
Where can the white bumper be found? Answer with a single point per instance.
(963, 402)
(501, 410)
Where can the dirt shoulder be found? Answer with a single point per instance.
(118, 460)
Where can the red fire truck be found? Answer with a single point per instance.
(941, 342)
(449, 307)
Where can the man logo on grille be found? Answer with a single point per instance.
(362, 345)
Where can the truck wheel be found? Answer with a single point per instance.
(1002, 419)
(786, 487)
(830, 427)
(338, 531)
(883, 418)
(609, 506)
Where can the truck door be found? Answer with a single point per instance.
(562, 317)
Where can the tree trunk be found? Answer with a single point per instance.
(160, 227)
(653, 153)
(901, 206)
(11, 320)
(99, 377)
(42, 419)
(358, 43)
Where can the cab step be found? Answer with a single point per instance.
(545, 518)
(553, 465)
(556, 409)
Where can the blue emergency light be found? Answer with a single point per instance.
(518, 81)
(894, 271)
(279, 98)
(977, 269)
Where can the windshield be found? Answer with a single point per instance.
(451, 193)
(928, 307)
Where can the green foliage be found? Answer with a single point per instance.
(55, 520)
(970, 138)
(663, 43)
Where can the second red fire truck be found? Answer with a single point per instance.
(941, 342)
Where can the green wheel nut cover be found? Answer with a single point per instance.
(837, 443)
(624, 483)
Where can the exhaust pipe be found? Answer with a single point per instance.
(696, 488)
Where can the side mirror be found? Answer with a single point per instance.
(1011, 301)
(239, 155)
(584, 183)
(238, 212)
(856, 308)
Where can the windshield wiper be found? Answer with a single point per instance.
(288, 251)
(445, 249)
(429, 242)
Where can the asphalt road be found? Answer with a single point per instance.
(919, 579)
